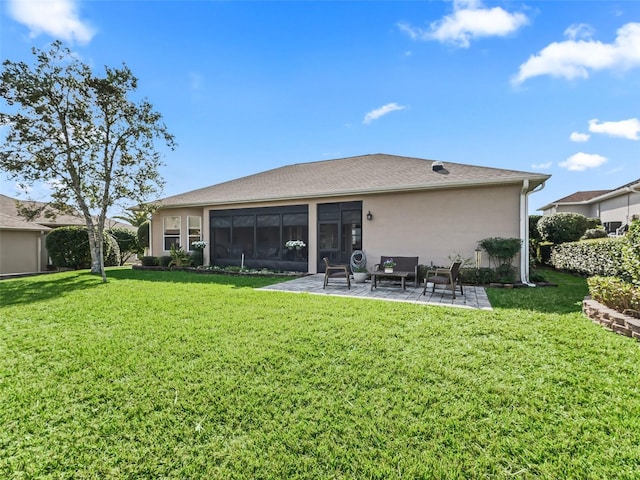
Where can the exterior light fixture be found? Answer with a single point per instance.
(369, 215)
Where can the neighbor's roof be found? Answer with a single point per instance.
(593, 196)
(366, 174)
(11, 222)
(8, 207)
(9, 218)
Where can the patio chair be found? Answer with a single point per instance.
(448, 277)
(335, 271)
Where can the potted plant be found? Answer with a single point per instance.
(388, 265)
(360, 274)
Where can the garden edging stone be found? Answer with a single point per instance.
(611, 319)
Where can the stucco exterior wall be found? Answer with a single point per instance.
(439, 224)
(620, 209)
(19, 251)
(434, 225)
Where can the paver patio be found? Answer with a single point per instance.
(474, 297)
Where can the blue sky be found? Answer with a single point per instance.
(540, 86)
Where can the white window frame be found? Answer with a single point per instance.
(164, 231)
(193, 238)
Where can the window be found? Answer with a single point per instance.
(171, 232)
(195, 230)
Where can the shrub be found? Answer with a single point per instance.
(482, 276)
(590, 257)
(534, 233)
(501, 250)
(68, 247)
(179, 258)
(143, 235)
(543, 253)
(150, 261)
(562, 227)
(164, 261)
(594, 233)
(614, 293)
(127, 242)
(593, 223)
(631, 254)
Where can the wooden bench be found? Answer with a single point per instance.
(408, 265)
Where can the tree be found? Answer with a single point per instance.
(83, 134)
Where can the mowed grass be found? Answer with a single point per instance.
(176, 375)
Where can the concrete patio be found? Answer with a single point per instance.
(474, 297)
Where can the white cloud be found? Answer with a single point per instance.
(579, 30)
(542, 166)
(579, 137)
(379, 112)
(575, 58)
(579, 162)
(469, 20)
(629, 129)
(57, 18)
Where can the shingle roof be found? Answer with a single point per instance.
(8, 208)
(591, 196)
(580, 197)
(9, 218)
(9, 222)
(363, 174)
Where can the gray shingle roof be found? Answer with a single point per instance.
(363, 174)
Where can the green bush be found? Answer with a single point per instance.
(631, 254)
(614, 293)
(594, 233)
(543, 254)
(68, 247)
(143, 235)
(593, 223)
(164, 261)
(534, 233)
(590, 257)
(127, 242)
(501, 250)
(562, 227)
(482, 276)
(150, 261)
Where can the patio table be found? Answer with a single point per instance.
(401, 275)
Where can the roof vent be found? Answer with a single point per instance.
(437, 166)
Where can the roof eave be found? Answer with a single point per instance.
(534, 182)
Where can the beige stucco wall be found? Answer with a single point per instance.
(20, 251)
(620, 209)
(434, 225)
(439, 224)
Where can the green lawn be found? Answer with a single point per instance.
(176, 375)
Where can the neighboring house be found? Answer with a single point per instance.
(22, 242)
(383, 204)
(615, 208)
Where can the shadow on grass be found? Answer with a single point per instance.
(172, 276)
(565, 298)
(45, 287)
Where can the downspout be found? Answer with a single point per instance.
(524, 231)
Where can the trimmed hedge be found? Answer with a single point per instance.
(68, 247)
(562, 227)
(614, 293)
(590, 257)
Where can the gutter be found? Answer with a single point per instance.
(524, 230)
